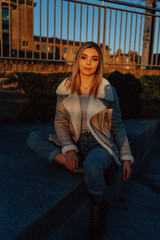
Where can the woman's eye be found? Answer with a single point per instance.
(82, 57)
(95, 59)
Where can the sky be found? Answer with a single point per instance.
(112, 39)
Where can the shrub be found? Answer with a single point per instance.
(150, 98)
(39, 97)
(128, 89)
(139, 98)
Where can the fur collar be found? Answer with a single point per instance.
(106, 91)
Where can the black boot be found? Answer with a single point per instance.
(97, 220)
(109, 176)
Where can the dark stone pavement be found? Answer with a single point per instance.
(30, 186)
(32, 189)
(137, 216)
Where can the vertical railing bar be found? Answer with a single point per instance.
(54, 42)
(99, 25)
(61, 29)
(130, 38)
(74, 28)
(93, 23)
(25, 28)
(9, 29)
(135, 40)
(140, 41)
(153, 41)
(1, 27)
(33, 30)
(109, 33)
(104, 36)
(68, 28)
(80, 24)
(158, 42)
(47, 25)
(87, 25)
(40, 29)
(150, 38)
(115, 30)
(120, 35)
(17, 29)
(125, 38)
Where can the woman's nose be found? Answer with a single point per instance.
(88, 61)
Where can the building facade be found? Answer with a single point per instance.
(16, 33)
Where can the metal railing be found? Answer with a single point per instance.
(53, 30)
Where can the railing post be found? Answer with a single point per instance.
(99, 25)
(17, 29)
(1, 29)
(104, 36)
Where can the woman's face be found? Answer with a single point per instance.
(89, 61)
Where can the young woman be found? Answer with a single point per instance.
(88, 128)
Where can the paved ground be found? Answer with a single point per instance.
(137, 217)
(29, 187)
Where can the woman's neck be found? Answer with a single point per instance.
(87, 79)
(86, 83)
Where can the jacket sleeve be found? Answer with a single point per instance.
(118, 130)
(62, 127)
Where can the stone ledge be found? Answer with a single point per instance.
(41, 202)
(136, 134)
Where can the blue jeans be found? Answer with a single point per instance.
(96, 161)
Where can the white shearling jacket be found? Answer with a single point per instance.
(103, 120)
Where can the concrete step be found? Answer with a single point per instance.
(43, 202)
(142, 136)
(10, 104)
(138, 214)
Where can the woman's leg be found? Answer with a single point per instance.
(97, 160)
(38, 141)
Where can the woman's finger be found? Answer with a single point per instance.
(71, 164)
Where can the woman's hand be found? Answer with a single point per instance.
(71, 160)
(127, 171)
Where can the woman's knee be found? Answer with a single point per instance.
(95, 163)
(91, 167)
(33, 138)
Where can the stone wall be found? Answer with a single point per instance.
(10, 66)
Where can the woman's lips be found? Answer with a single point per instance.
(87, 69)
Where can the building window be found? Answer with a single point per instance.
(56, 49)
(65, 50)
(75, 51)
(5, 25)
(5, 12)
(38, 47)
(5, 38)
(45, 48)
(5, 19)
(127, 60)
(25, 43)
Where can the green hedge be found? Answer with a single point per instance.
(150, 98)
(139, 98)
(39, 97)
(128, 90)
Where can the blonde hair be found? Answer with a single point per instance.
(74, 81)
